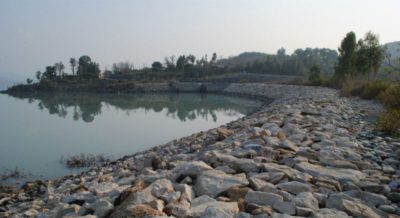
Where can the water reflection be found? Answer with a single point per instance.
(86, 106)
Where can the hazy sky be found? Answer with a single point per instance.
(36, 33)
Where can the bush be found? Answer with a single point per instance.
(315, 76)
(389, 121)
(244, 81)
(391, 96)
(353, 88)
(373, 89)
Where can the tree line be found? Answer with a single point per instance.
(354, 58)
(83, 68)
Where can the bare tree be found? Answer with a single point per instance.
(73, 63)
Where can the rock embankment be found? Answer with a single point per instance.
(309, 153)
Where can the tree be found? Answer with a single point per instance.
(315, 75)
(38, 75)
(369, 55)
(181, 62)
(170, 63)
(156, 66)
(59, 68)
(49, 73)
(88, 69)
(347, 58)
(73, 63)
(29, 81)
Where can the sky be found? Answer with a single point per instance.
(37, 33)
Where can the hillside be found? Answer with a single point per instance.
(244, 58)
(393, 49)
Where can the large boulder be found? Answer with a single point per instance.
(307, 200)
(214, 182)
(329, 213)
(238, 164)
(192, 168)
(159, 188)
(201, 204)
(262, 198)
(335, 173)
(352, 206)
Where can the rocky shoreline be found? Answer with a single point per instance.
(309, 153)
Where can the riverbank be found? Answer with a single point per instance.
(308, 153)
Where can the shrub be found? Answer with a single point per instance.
(391, 96)
(353, 88)
(315, 76)
(243, 81)
(389, 121)
(373, 89)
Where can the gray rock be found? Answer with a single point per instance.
(285, 207)
(351, 206)
(262, 198)
(200, 204)
(243, 215)
(295, 187)
(102, 207)
(271, 177)
(306, 199)
(215, 212)
(159, 188)
(338, 174)
(104, 188)
(303, 211)
(238, 164)
(287, 144)
(186, 190)
(293, 174)
(192, 168)
(213, 182)
(258, 184)
(394, 196)
(329, 213)
(387, 208)
(372, 198)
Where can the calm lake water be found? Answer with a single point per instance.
(36, 131)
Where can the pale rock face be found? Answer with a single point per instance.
(213, 182)
(335, 173)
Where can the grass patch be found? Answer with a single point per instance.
(389, 121)
(83, 160)
(386, 92)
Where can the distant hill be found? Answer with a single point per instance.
(394, 49)
(244, 58)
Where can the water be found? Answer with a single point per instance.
(36, 131)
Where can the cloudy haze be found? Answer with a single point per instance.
(36, 33)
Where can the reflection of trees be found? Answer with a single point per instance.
(184, 107)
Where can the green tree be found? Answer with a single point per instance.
(38, 75)
(156, 66)
(369, 55)
(315, 75)
(88, 69)
(49, 73)
(29, 81)
(181, 62)
(347, 58)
